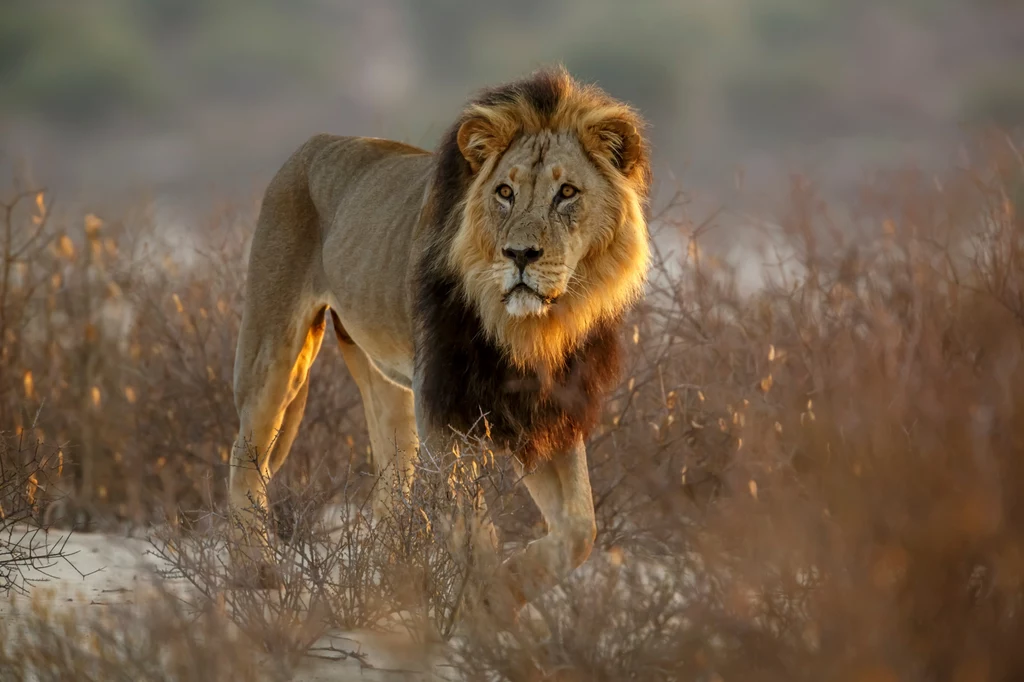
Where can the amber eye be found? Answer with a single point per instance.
(567, 192)
(504, 191)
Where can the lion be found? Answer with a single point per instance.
(489, 277)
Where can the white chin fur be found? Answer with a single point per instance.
(524, 304)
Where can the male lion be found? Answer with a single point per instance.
(488, 278)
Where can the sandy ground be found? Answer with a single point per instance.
(104, 570)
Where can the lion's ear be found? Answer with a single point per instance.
(618, 140)
(479, 139)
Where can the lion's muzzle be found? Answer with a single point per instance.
(522, 257)
(522, 300)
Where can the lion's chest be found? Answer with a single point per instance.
(466, 379)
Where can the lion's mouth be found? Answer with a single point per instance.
(526, 288)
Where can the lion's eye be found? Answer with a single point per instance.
(504, 191)
(567, 192)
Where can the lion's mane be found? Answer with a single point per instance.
(539, 395)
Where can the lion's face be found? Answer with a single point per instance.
(542, 214)
(552, 237)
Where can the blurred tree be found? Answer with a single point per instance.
(72, 67)
(443, 29)
(781, 101)
(170, 17)
(785, 26)
(997, 98)
(644, 80)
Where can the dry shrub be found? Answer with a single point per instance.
(117, 342)
(327, 574)
(819, 481)
(26, 550)
(343, 569)
(156, 639)
(815, 481)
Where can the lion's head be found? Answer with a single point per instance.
(552, 237)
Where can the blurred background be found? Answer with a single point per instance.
(819, 442)
(187, 99)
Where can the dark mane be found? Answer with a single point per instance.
(543, 90)
(463, 374)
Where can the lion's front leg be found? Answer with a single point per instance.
(560, 488)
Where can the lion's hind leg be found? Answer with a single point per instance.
(275, 352)
(391, 422)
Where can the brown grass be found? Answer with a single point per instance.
(818, 481)
(157, 639)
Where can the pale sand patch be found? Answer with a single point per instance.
(104, 570)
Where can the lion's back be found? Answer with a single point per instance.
(368, 193)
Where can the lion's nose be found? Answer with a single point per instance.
(522, 257)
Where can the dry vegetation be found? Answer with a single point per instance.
(818, 481)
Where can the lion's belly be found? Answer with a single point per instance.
(387, 342)
(371, 303)
(367, 271)
(367, 248)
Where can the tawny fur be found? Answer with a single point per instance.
(402, 247)
(614, 271)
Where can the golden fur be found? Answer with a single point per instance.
(612, 274)
(411, 253)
